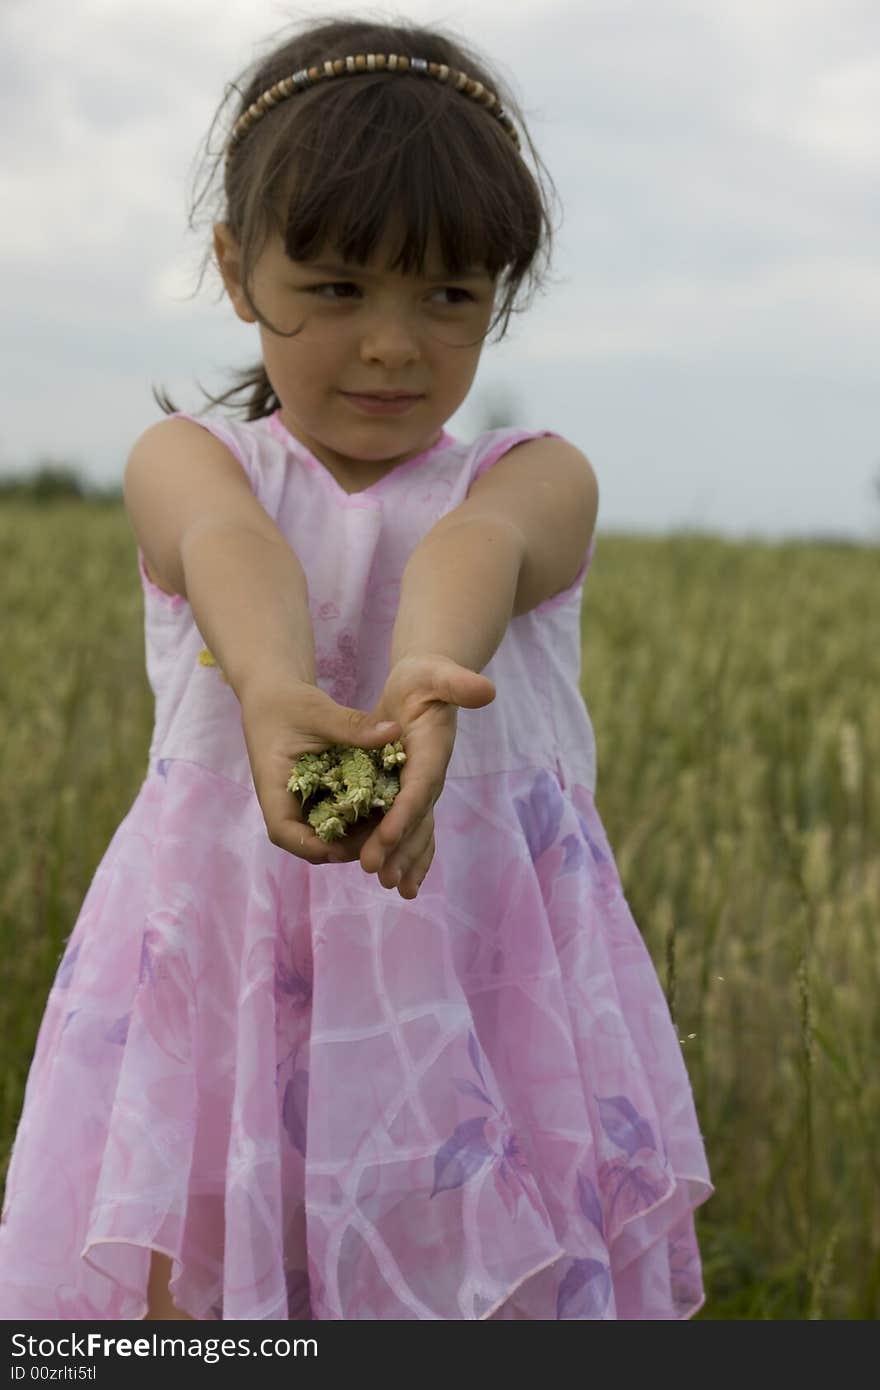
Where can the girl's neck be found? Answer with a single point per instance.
(355, 475)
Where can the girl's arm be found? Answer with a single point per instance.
(206, 537)
(457, 592)
(519, 537)
(249, 598)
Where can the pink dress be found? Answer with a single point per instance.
(323, 1100)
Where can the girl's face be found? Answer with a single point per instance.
(366, 330)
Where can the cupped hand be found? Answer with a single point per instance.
(283, 719)
(422, 695)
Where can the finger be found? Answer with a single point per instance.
(415, 875)
(304, 844)
(405, 847)
(410, 847)
(408, 855)
(458, 685)
(355, 728)
(412, 803)
(386, 836)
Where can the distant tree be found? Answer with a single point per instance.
(54, 480)
(49, 480)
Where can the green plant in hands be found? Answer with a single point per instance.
(348, 783)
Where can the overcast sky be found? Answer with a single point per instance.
(710, 338)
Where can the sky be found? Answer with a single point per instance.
(709, 336)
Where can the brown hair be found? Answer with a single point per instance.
(345, 160)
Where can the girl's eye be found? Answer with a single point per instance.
(461, 296)
(343, 285)
(345, 289)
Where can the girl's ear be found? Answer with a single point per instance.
(228, 255)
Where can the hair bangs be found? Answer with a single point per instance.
(408, 179)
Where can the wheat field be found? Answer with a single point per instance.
(734, 688)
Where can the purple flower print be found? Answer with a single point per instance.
(294, 980)
(590, 1204)
(463, 1154)
(512, 1175)
(629, 1186)
(118, 1031)
(584, 1292)
(624, 1125)
(65, 969)
(467, 1087)
(474, 1054)
(540, 813)
(608, 877)
(598, 857)
(481, 1140)
(574, 855)
(162, 766)
(294, 1107)
(540, 816)
(339, 668)
(297, 986)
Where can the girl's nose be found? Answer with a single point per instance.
(391, 341)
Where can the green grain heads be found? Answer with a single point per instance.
(346, 784)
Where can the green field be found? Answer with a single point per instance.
(734, 689)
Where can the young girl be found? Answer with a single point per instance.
(425, 1071)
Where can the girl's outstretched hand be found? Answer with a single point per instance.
(283, 719)
(422, 695)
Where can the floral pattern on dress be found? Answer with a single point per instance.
(584, 1292)
(637, 1179)
(337, 670)
(485, 1140)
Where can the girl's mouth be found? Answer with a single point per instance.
(396, 404)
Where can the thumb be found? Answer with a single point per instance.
(357, 728)
(461, 686)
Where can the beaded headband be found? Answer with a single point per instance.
(368, 62)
